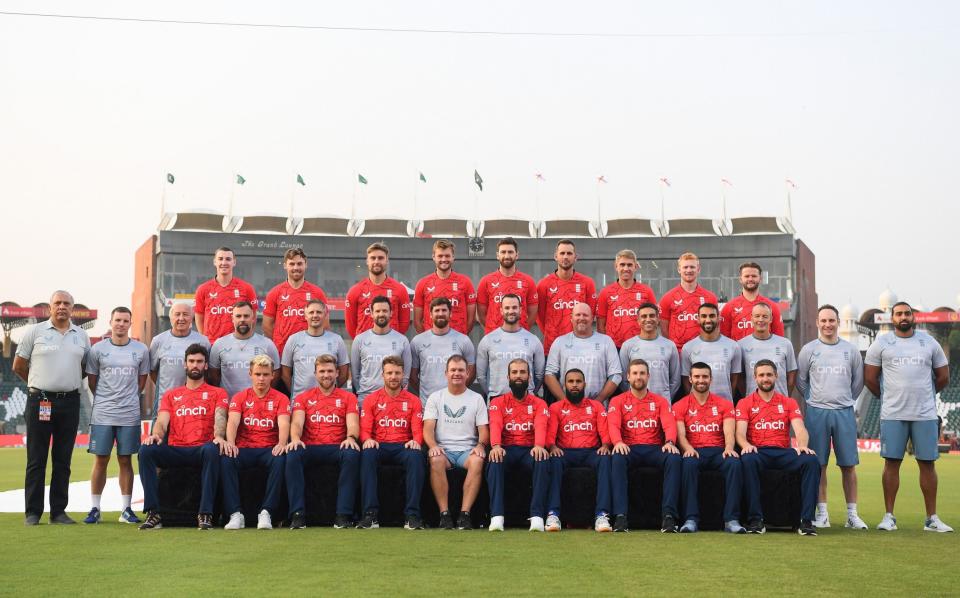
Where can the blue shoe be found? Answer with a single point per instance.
(93, 516)
(128, 516)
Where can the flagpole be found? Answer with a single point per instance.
(163, 200)
(293, 191)
(233, 187)
(416, 190)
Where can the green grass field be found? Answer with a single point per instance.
(113, 558)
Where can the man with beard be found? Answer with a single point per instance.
(509, 342)
(722, 354)
(193, 419)
(735, 321)
(763, 344)
(283, 315)
(591, 352)
(643, 431)
(914, 368)
(214, 300)
(678, 306)
(619, 302)
(297, 362)
(231, 355)
(358, 309)
(518, 435)
(431, 349)
(578, 435)
(559, 292)
(506, 279)
(167, 350)
(658, 351)
(764, 420)
(445, 283)
(371, 346)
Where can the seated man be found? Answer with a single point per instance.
(706, 433)
(456, 431)
(764, 439)
(324, 428)
(643, 431)
(577, 434)
(518, 435)
(391, 429)
(195, 416)
(257, 431)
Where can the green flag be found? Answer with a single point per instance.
(423, 179)
(477, 179)
(241, 180)
(170, 178)
(362, 179)
(301, 181)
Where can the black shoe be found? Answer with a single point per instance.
(369, 521)
(342, 522)
(620, 523)
(413, 522)
(669, 525)
(298, 520)
(756, 526)
(464, 521)
(806, 528)
(152, 522)
(61, 519)
(205, 521)
(31, 520)
(446, 521)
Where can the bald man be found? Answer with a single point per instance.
(167, 351)
(591, 352)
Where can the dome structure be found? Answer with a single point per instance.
(849, 312)
(887, 299)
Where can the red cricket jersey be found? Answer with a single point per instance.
(192, 413)
(577, 426)
(216, 302)
(557, 298)
(679, 309)
(457, 288)
(258, 417)
(325, 416)
(391, 419)
(735, 320)
(768, 424)
(703, 424)
(620, 307)
(641, 421)
(518, 423)
(286, 305)
(357, 305)
(494, 286)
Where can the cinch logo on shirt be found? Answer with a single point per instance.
(622, 311)
(119, 370)
(702, 428)
(387, 422)
(765, 425)
(509, 355)
(332, 418)
(258, 422)
(582, 360)
(515, 427)
(561, 304)
(219, 310)
(436, 360)
(744, 324)
(581, 427)
(831, 369)
(198, 410)
(642, 423)
(686, 317)
(915, 360)
(292, 311)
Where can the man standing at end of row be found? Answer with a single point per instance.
(618, 305)
(503, 281)
(214, 300)
(658, 351)
(678, 306)
(444, 282)
(590, 352)
(358, 314)
(505, 344)
(167, 350)
(735, 320)
(559, 292)
(283, 315)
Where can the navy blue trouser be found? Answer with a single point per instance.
(393, 452)
(251, 457)
(711, 459)
(651, 455)
(347, 459)
(574, 457)
(519, 456)
(785, 459)
(206, 456)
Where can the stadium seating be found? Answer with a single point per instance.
(870, 426)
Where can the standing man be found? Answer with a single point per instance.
(283, 315)
(370, 347)
(167, 352)
(678, 306)
(430, 351)
(508, 342)
(215, 299)
(643, 430)
(762, 344)
(735, 319)
(560, 291)
(518, 437)
(505, 280)
(830, 378)
(591, 352)
(324, 428)
(116, 372)
(453, 286)
(190, 430)
(51, 359)
(618, 305)
(456, 430)
(297, 362)
(231, 355)
(658, 351)
(359, 305)
(906, 368)
(722, 354)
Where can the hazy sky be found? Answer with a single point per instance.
(855, 101)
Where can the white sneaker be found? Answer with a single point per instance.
(536, 524)
(264, 521)
(933, 524)
(854, 522)
(888, 523)
(821, 520)
(236, 521)
(602, 523)
(553, 524)
(496, 523)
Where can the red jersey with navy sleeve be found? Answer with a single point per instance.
(192, 413)
(216, 303)
(258, 417)
(703, 424)
(457, 287)
(325, 416)
(577, 426)
(641, 421)
(557, 298)
(735, 319)
(620, 308)
(391, 419)
(679, 309)
(768, 423)
(518, 423)
(286, 305)
(495, 285)
(357, 306)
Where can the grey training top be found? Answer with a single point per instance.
(777, 349)
(56, 360)
(232, 357)
(167, 358)
(722, 355)
(301, 352)
(457, 418)
(116, 401)
(596, 356)
(829, 376)
(430, 352)
(906, 377)
(497, 349)
(661, 355)
(366, 359)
